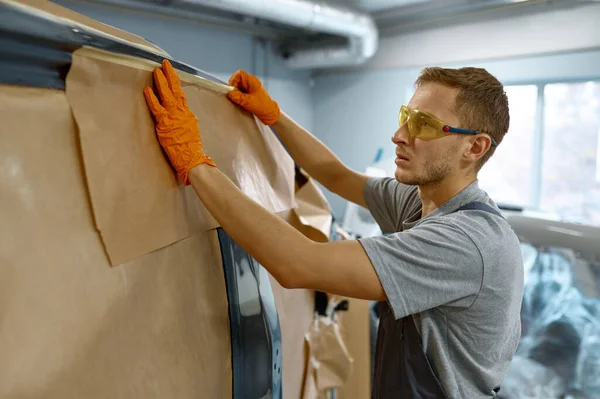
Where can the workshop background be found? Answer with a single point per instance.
(344, 79)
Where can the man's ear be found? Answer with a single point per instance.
(480, 145)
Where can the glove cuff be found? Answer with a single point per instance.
(271, 117)
(184, 174)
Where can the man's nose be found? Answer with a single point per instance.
(401, 136)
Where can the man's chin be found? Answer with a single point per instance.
(405, 178)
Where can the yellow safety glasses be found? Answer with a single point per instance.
(425, 126)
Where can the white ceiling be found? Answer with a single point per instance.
(394, 17)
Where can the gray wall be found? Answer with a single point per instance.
(217, 51)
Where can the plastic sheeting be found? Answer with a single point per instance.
(559, 353)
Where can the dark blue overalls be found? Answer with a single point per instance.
(406, 373)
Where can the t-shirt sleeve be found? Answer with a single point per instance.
(433, 264)
(386, 200)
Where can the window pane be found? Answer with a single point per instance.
(507, 175)
(570, 185)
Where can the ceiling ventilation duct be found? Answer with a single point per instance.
(358, 29)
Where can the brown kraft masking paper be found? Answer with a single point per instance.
(313, 211)
(72, 327)
(139, 205)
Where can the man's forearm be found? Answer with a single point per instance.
(320, 163)
(341, 268)
(270, 240)
(309, 152)
(294, 260)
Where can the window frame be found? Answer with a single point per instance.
(534, 194)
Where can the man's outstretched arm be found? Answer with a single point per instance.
(295, 261)
(341, 267)
(308, 151)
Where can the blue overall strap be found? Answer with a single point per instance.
(479, 206)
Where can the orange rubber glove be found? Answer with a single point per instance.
(176, 126)
(252, 96)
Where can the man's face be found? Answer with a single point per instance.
(428, 162)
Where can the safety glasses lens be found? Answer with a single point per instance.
(403, 115)
(429, 129)
(420, 124)
(424, 127)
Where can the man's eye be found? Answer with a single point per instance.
(423, 122)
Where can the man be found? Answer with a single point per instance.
(448, 273)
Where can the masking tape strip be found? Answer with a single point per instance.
(147, 65)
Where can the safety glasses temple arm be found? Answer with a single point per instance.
(450, 129)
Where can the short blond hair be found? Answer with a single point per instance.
(481, 103)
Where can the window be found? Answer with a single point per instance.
(550, 159)
(569, 183)
(507, 176)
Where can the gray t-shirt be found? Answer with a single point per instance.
(460, 274)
